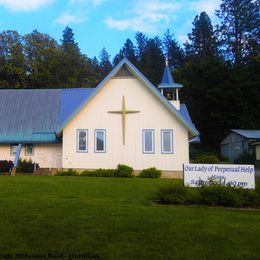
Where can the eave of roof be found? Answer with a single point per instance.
(192, 130)
(250, 134)
(35, 138)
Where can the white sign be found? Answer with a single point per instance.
(228, 174)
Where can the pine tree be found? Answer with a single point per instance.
(128, 51)
(141, 41)
(202, 41)
(105, 63)
(152, 60)
(172, 50)
(239, 29)
(68, 40)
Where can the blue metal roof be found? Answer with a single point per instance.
(167, 80)
(29, 115)
(184, 111)
(71, 99)
(250, 134)
(32, 116)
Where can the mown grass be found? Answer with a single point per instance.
(117, 219)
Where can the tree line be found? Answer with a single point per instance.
(218, 66)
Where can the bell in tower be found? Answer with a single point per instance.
(169, 88)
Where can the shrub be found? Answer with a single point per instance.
(227, 196)
(245, 158)
(5, 165)
(124, 171)
(26, 166)
(68, 172)
(121, 171)
(150, 173)
(211, 195)
(176, 194)
(100, 173)
(207, 159)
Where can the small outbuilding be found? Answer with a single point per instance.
(238, 142)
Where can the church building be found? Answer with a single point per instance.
(124, 120)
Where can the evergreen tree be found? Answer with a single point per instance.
(172, 50)
(207, 97)
(128, 51)
(68, 40)
(202, 41)
(104, 64)
(152, 60)
(203, 74)
(141, 41)
(239, 29)
(78, 70)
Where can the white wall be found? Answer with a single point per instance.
(46, 155)
(153, 115)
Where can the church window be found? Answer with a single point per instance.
(148, 141)
(167, 141)
(13, 149)
(29, 149)
(100, 141)
(82, 140)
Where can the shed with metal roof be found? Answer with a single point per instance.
(238, 142)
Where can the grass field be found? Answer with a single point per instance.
(116, 219)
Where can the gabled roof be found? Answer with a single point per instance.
(125, 62)
(250, 134)
(167, 80)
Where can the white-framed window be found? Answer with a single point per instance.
(82, 140)
(13, 149)
(148, 141)
(167, 141)
(100, 140)
(29, 150)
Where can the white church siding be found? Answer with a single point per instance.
(46, 155)
(153, 115)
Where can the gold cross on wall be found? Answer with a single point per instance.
(123, 112)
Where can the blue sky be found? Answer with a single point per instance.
(104, 23)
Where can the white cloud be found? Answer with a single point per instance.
(76, 11)
(24, 5)
(205, 5)
(147, 16)
(132, 24)
(91, 2)
(67, 18)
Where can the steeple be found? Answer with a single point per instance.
(169, 88)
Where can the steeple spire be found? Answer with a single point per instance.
(168, 87)
(167, 80)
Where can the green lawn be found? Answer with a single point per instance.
(116, 219)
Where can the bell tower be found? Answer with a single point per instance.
(169, 88)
